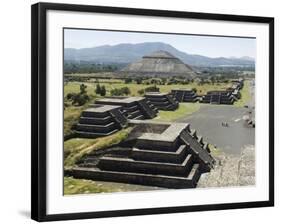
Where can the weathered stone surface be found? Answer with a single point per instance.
(160, 63)
(162, 101)
(232, 170)
(184, 95)
(133, 107)
(100, 120)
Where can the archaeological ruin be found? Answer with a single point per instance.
(228, 96)
(185, 95)
(162, 101)
(100, 120)
(132, 107)
(168, 155)
(218, 97)
(159, 63)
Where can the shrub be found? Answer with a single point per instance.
(152, 89)
(194, 89)
(128, 80)
(120, 92)
(103, 91)
(141, 91)
(138, 80)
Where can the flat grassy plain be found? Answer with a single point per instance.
(73, 87)
(184, 110)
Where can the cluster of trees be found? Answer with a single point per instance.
(137, 80)
(158, 81)
(229, 71)
(120, 91)
(79, 99)
(101, 90)
(71, 67)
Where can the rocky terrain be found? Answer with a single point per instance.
(231, 170)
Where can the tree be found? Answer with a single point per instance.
(194, 90)
(83, 89)
(98, 89)
(102, 91)
(128, 80)
(80, 99)
(126, 90)
(138, 80)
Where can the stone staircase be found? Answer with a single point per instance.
(184, 95)
(136, 108)
(215, 99)
(218, 97)
(162, 101)
(198, 149)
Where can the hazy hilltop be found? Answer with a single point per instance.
(127, 53)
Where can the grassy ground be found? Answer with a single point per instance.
(183, 110)
(245, 95)
(71, 117)
(76, 148)
(81, 186)
(73, 87)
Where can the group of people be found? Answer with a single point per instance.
(224, 124)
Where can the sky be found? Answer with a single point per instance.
(211, 46)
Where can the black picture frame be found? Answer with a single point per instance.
(39, 122)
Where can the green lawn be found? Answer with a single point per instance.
(245, 95)
(76, 148)
(183, 110)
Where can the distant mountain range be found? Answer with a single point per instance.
(128, 53)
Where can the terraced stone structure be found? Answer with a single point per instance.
(185, 95)
(162, 101)
(161, 64)
(168, 155)
(218, 97)
(138, 108)
(100, 120)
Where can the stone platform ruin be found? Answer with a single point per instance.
(185, 95)
(218, 97)
(138, 108)
(168, 155)
(162, 101)
(100, 120)
(228, 96)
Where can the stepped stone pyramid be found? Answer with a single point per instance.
(133, 107)
(162, 101)
(168, 155)
(100, 120)
(185, 95)
(159, 63)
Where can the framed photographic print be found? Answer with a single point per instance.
(139, 111)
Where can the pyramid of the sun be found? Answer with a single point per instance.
(159, 63)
